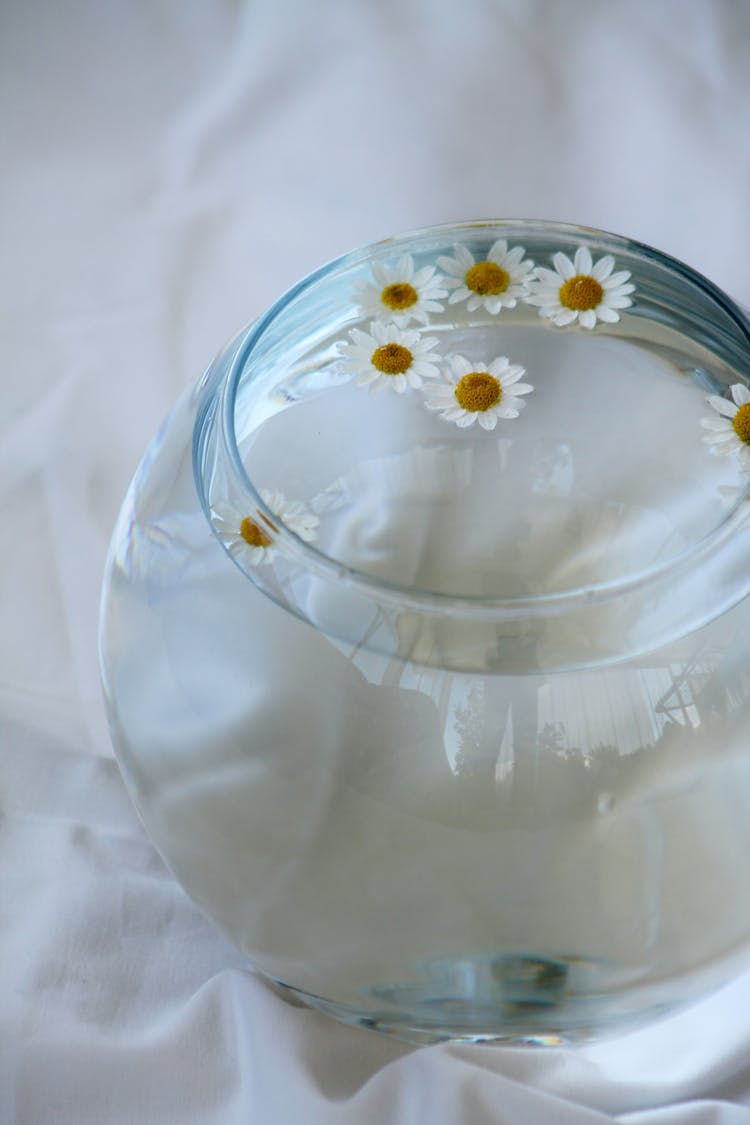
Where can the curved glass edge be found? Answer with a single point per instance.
(612, 620)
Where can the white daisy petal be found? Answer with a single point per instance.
(461, 365)
(587, 318)
(421, 277)
(501, 366)
(422, 370)
(498, 251)
(603, 268)
(582, 260)
(722, 406)
(563, 265)
(724, 440)
(366, 378)
(461, 261)
(513, 258)
(450, 266)
(404, 268)
(565, 316)
(515, 370)
(619, 302)
(548, 277)
(727, 431)
(615, 279)
(379, 273)
(608, 315)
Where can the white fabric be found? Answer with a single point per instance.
(168, 168)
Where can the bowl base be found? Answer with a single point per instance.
(513, 1000)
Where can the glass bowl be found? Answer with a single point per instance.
(424, 636)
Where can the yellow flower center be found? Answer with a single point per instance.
(487, 279)
(399, 296)
(392, 359)
(253, 534)
(741, 423)
(581, 292)
(478, 391)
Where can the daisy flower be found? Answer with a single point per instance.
(389, 356)
(472, 392)
(579, 290)
(254, 536)
(729, 428)
(401, 294)
(493, 284)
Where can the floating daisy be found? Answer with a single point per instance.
(388, 356)
(492, 284)
(729, 431)
(580, 290)
(254, 536)
(471, 392)
(402, 294)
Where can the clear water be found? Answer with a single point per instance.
(492, 854)
(603, 475)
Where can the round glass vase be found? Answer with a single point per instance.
(425, 630)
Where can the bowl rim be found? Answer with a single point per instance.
(472, 606)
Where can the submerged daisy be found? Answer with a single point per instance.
(401, 294)
(580, 290)
(254, 536)
(729, 430)
(472, 392)
(387, 356)
(492, 284)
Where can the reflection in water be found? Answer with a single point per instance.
(579, 741)
(567, 741)
(511, 733)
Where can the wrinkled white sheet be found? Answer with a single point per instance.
(168, 168)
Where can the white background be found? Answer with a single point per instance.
(168, 167)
